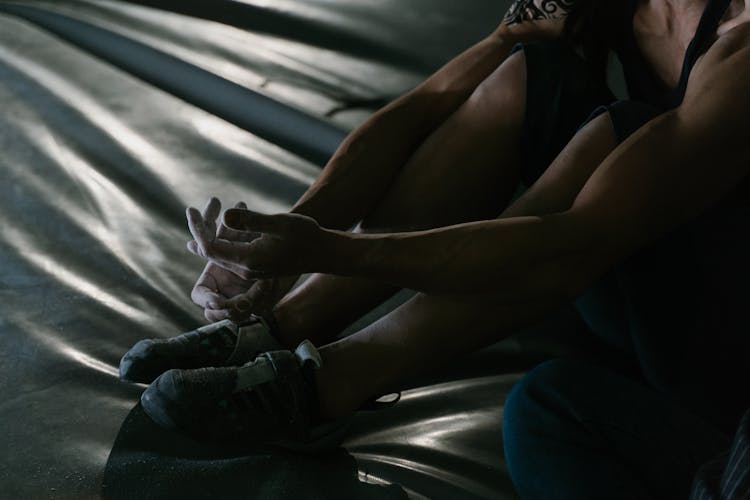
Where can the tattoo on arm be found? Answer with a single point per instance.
(535, 10)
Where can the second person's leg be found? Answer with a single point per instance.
(576, 430)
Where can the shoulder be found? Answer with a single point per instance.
(727, 58)
(733, 41)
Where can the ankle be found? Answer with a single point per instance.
(342, 385)
(288, 325)
(301, 319)
(335, 396)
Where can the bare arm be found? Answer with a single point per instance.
(665, 174)
(367, 160)
(669, 171)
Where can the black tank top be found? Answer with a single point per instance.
(642, 84)
(679, 305)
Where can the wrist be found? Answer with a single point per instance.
(351, 254)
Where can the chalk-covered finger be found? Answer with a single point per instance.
(241, 306)
(212, 210)
(228, 233)
(216, 315)
(227, 251)
(193, 248)
(198, 229)
(236, 269)
(247, 220)
(234, 234)
(207, 298)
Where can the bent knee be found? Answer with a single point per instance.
(504, 89)
(543, 394)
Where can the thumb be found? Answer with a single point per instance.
(247, 220)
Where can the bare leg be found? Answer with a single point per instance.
(429, 330)
(466, 170)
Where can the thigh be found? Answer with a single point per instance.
(558, 185)
(511, 129)
(586, 431)
(556, 189)
(468, 168)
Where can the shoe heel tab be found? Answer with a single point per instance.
(218, 325)
(306, 351)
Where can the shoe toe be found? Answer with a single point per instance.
(142, 363)
(162, 400)
(188, 401)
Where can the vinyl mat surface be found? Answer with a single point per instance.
(117, 115)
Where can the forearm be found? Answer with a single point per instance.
(526, 258)
(364, 165)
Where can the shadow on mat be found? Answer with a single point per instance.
(147, 462)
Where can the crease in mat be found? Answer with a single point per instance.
(291, 129)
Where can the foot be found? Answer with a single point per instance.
(218, 344)
(270, 400)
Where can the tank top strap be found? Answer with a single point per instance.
(641, 82)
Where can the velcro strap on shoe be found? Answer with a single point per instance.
(293, 393)
(252, 339)
(212, 327)
(259, 371)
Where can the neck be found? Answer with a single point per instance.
(683, 6)
(671, 16)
